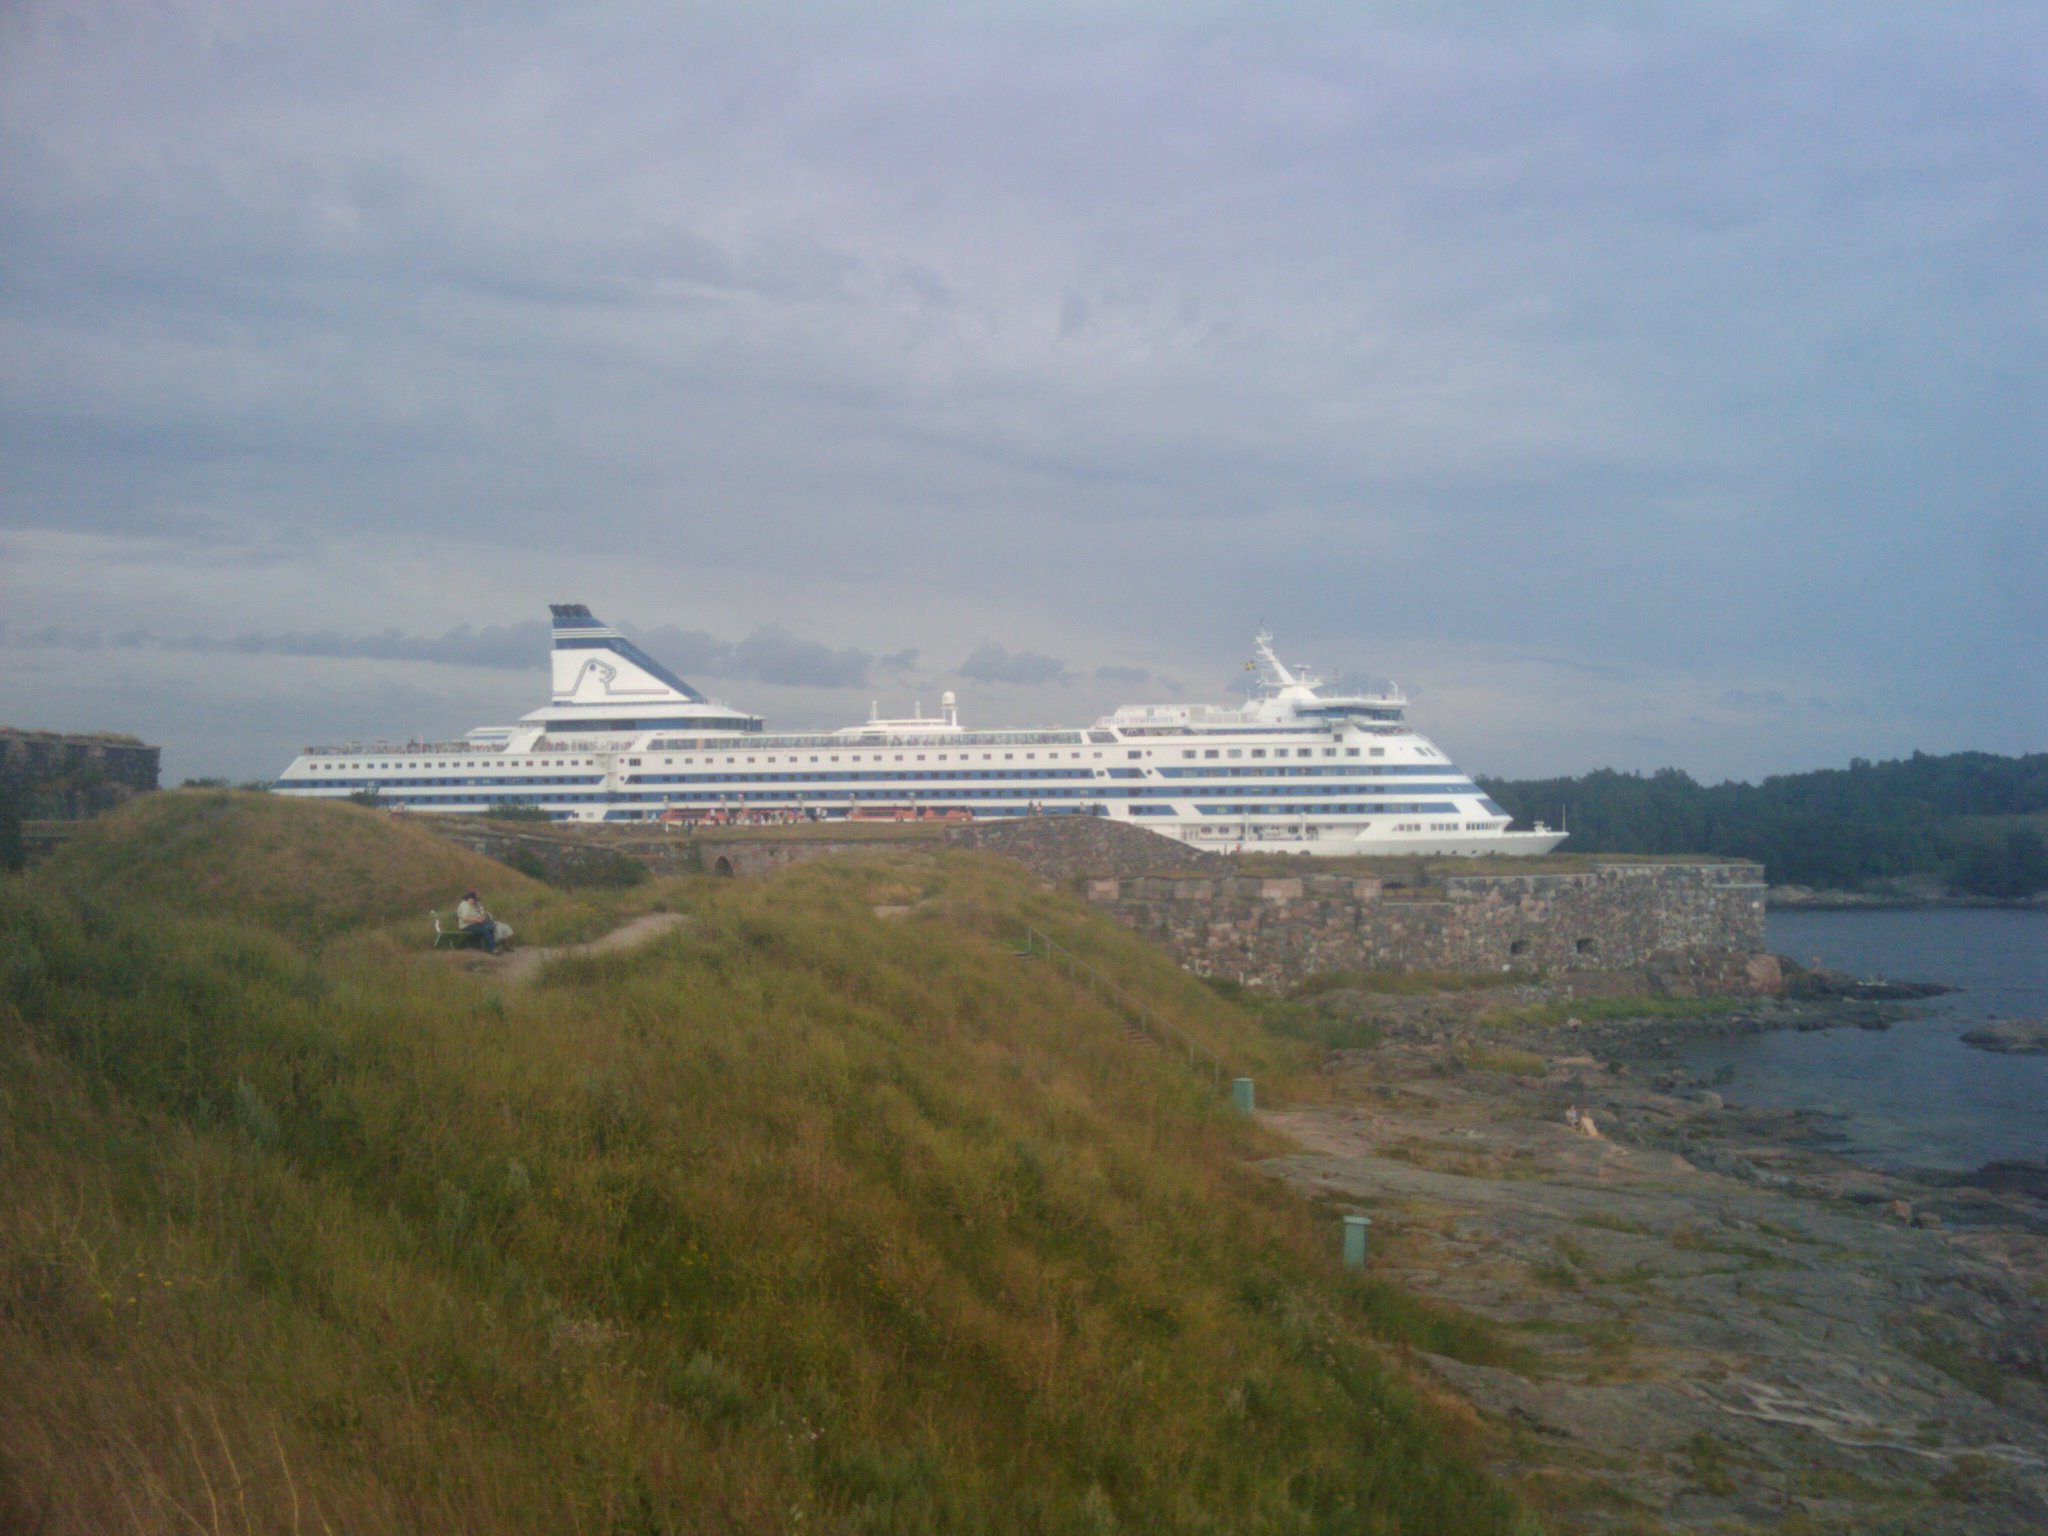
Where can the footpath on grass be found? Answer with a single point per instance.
(1734, 1329)
(522, 965)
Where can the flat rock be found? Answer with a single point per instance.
(2011, 1037)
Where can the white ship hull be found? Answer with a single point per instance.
(1270, 839)
(624, 740)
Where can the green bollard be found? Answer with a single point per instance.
(1357, 1233)
(1241, 1095)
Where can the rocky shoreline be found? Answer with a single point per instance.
(1729, 1326)
(1802, 898)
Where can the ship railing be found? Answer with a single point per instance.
(1040, 944)
(400, 749)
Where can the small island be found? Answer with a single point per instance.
(2010, 1037)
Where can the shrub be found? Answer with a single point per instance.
(513, 810)
(608, 871)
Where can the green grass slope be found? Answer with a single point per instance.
(801, 1219)
(310, 869)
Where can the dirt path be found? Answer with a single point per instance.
(522, 965)
(1775, 1351)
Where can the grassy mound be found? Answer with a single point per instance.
(311, 869)
(803, 1218)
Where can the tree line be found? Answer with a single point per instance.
(1975, 820)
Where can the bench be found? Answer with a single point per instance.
(451, 935)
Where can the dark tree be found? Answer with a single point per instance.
(1841, 828)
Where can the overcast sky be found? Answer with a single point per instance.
(1635, 385)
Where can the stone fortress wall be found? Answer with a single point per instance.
(1697, 928)
(61, 774)
(1683, 928)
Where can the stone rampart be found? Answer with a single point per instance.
(1684, 928)
(1063, 849)
(58, 776)
(570, 854)
(743, 856)
(1699, 927)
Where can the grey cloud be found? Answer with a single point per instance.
(992, 663)
(686, 651)
(1586, 668)
(773, 655)
(1854, 709)
(1757, 698)
(1558, 332)
(511, 646)
(768, 655)
(1136, 677)
(1771, 701)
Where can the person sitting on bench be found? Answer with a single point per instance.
(471, 917)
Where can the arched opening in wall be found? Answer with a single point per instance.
(1518, 948)
(1587, 946)
(722, 867)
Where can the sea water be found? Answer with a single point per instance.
(1913, 1096)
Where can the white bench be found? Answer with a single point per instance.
(452, 935)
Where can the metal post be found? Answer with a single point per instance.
(1357, 1235)
(1241, 1095)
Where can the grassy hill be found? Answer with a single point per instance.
(801, 1219)
(313, 870)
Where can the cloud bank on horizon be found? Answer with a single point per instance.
(1638, 390)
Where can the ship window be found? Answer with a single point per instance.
(1376, 752)
(1353, 752)
(1258, 751)
(1305, 752)
(1211, 752)
(1235, 753)
(1132, 756)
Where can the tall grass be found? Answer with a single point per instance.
(800, 1219)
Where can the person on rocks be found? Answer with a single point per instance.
(472, 919)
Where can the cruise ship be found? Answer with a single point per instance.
(1294, 769)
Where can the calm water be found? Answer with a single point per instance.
(1914, 1095)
